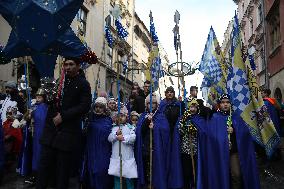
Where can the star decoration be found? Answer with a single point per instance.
(41, 27)
(116, 12)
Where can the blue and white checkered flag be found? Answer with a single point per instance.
(155, 71)
(209, 65)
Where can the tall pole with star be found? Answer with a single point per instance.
(119, 43)
(177, 45)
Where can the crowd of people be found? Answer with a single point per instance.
(147, 142)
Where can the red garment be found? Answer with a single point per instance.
(274, 102)
(16, 133)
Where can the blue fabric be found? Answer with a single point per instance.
(51, 31)
(176, 167)
(99, 152)
(161, 152)
(39, 116)
(273, 115)
(218, 155)
(164, 103)
(2, 160)
(25, 158)
(45, 65)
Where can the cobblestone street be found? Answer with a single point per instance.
(272, 178)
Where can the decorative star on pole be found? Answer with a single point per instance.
(116, 12)
(41, 27)
(151, 16)
(177, 17)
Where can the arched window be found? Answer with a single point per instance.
(278, 93)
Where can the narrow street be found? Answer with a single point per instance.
(270, 179)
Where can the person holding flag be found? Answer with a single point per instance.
(246, 98)
(190, 143)
(214, 69)
(124, 132)
(98, 147)
(157, 121)
(231, 162)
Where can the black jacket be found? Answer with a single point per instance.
(75, 103)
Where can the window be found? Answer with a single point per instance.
(274, 29)
(109, 56)
(262, 59)
(250, 27)
(82, 19)
(259, 14)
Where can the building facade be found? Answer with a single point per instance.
(89, 25)
(251, 18)
(262, 27)
(274, 18)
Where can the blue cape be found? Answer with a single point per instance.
(273, 115)
(39, 116)
(25, 157)
(2, 160)
(164, 103)
(218, 155)
(175, 172)
(161, 151)
(99, 152)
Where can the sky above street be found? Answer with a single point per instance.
(196, 17)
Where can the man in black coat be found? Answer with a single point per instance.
(171, 107)
(204, 111)
(138, 104)
(62, 136)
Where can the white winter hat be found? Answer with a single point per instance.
(101, 100)
(154, 96)
(124, 110)
(134, 113)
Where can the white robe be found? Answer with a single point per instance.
(129, 166)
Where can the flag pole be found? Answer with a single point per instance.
(151, 108)
(118, 119)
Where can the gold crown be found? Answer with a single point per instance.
(40, 91)
(192, 101)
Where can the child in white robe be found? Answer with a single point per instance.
(125, 133)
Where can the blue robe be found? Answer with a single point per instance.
(99, 152)
(273, 115)
(164, 103)
(176, 167)
(218, 155)
(39, 116)
(25, 157)
(2, 160)
(161, 152)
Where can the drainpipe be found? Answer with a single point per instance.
(265, 45)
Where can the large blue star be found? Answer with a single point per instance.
(41, 27)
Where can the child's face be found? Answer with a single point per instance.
(134, 120)
(39, 99)
(193, 109)
(112, 106)
(10, 116)
(154, 105)
(122, 118)
(99, 109)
